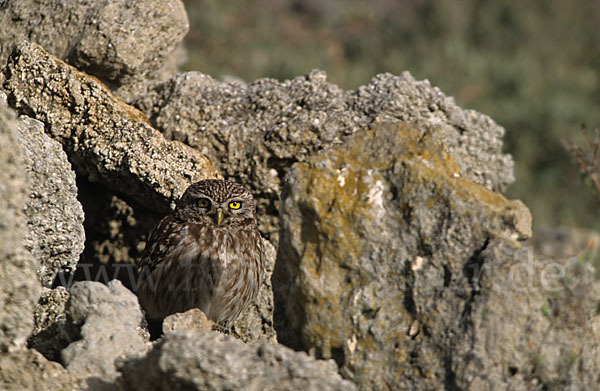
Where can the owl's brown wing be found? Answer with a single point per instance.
(160, 242)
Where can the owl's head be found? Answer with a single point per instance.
(217, 202)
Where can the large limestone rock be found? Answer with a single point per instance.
(20, 271)
(55, 234)
(20, 289)
(126, 44)
(106, 140)
(110, 319)
(254, 132)
(213, 361)
(406, 273)
(530, 324)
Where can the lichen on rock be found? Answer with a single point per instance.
(355, 220)
(254, 132)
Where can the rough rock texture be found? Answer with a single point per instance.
(55, 234)
(191, 320)
(51, 332)
(20, 289)
(532, 324)
(402, 270)
(110, 319)
(105, 139)
(212, 361)
(29, 370)
(126, 44)
(255, 132)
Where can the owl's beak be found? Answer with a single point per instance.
(219, 216)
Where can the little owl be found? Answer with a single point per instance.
(207, 254)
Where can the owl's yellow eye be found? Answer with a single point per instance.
(235, 205)
(203, 203)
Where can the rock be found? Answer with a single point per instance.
(213, 361)
(105, 139)
(531, 323)
(381, 239)
(51, 332)
(29, 370)
(55, 234)
(110, 319)
(192, 320)
(20, 289)
(256, 322)
(42, 22)
(473, 139)
(254, 132)
(126, 44)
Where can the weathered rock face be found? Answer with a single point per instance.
(191, 320)
(532, 324)
(212, 361)
(110, 319)
(20, 289)
(254, 132)
(126, 44)
(55, 234)
(51, 332)
(29, 370)
(406, 273)
(105, 139)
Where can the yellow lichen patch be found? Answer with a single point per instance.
(337, 245)
(513, 215)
